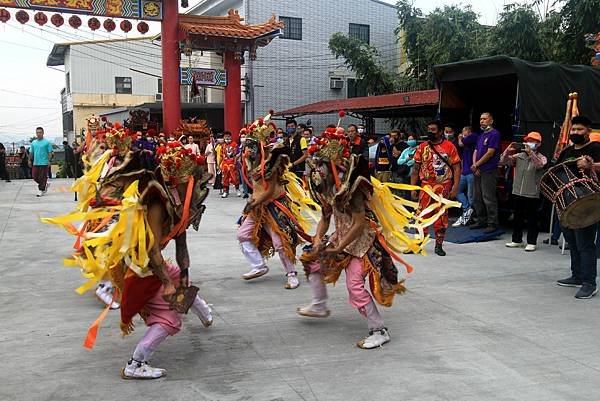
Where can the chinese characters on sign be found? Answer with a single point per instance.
(203, 76)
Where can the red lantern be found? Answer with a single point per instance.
(22, 16)
(40, 18)
(143, 27)
(4, 15)
(109, 25)
(57, 20)
(75, 21)
(94, 24)
(125, 26)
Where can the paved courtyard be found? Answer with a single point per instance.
(483, 323)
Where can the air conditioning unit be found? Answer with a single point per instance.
(158, 97)
(336, 83)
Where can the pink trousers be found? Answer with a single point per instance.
(358, 296)
(251, 252)
(159, 308)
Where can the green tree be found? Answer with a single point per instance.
(517, 33)
(579, 17)
(366, 63)
(445, 35)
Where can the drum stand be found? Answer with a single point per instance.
(562, 251)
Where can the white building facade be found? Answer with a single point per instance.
(104, 75)
(298, 68)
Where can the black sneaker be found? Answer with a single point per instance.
(570, 282)
(439, 250)
(550, 241)
(586, 291)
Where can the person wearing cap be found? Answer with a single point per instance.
(529, 166)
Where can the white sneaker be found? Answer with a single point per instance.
(141, 371)
(467, 216)
(514, 244)
(205, 314)
(239, 193)
(459, 222)
(255, 273)
(375, 339)
(314, 310)
(104, 293)
(224, 194)
(530, 248)
(292, 281)
(40, 194)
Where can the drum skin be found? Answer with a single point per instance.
(575, 195)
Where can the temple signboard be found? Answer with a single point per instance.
(138, 9)
(203, 76)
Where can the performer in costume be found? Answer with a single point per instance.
(272, 220)
(129, 214)
(369, 234)
(227, 159)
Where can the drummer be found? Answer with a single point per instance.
(581, 241)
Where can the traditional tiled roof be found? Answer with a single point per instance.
(369, 104)
(230, 26)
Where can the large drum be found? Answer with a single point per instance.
(575, 194)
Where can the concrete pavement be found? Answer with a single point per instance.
(483, 323)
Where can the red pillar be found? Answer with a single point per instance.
(233, 94)
(170, 66)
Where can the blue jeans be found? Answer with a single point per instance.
(465, 191)
(583, 252)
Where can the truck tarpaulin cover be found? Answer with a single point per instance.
(543, 87)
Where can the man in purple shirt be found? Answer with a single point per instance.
(485, 165)
(467, 140)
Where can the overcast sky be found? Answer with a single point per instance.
(30, 91)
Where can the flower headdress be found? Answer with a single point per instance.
(261, 130)
(332, 145)
(117, 138)
(177, 163)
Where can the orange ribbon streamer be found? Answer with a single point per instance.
(92, 334)
(289, 214)
(336, 177)
(409, 268)
(182, 224)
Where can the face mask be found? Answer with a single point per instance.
(242, 140)
(279, 140)
(227, 140)
(291, 131)
(449, 137)
(411, 142)
(360, 130)
(220, 140)
(531, 145)
(577, 139)
(431, 136)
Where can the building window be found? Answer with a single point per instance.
(292, 28)
(68, 82)
(123, 84)
(359, 31)
(159, 85)
(356, 88)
